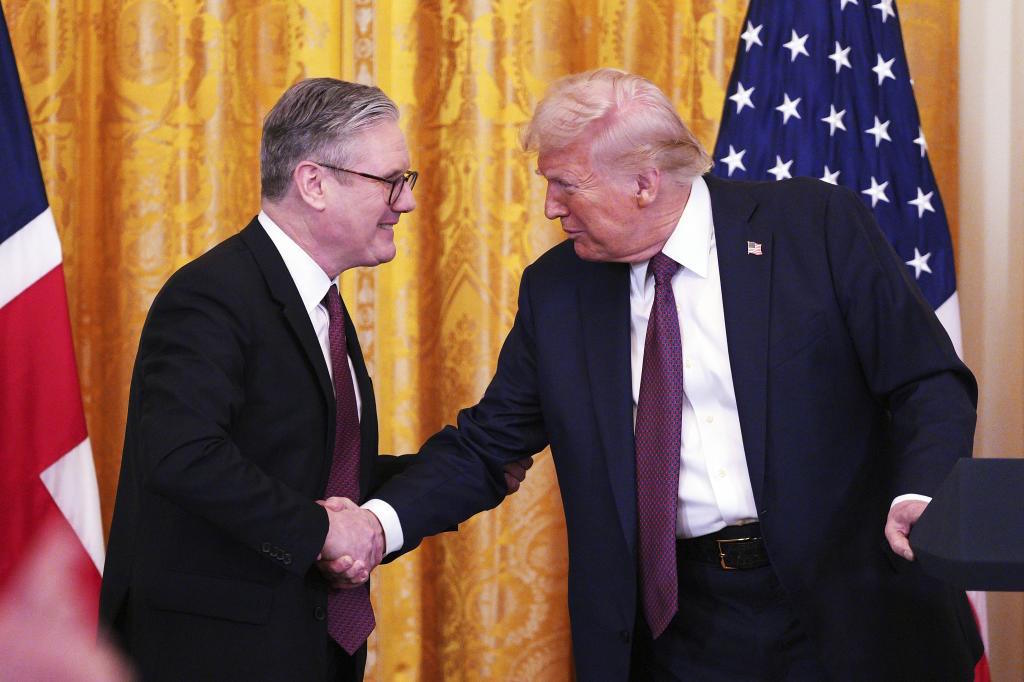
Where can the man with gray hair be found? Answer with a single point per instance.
(250, 402)
(741, 389)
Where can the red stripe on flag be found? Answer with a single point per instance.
(41, 415)
(981, 670)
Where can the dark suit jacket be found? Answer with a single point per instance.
(209, 571)
(849, 393)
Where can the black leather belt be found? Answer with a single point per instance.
(732, 548)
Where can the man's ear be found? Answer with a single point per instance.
(648, 180)
(308, 179)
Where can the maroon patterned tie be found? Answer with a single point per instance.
(659, 414)
(349, 613)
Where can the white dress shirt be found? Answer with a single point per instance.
(714, 484)
(313, 284)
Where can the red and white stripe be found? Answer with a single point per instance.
(46, 466)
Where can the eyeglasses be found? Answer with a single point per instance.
(397, 183)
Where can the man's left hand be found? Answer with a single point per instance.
(902, 517)
(515, 473)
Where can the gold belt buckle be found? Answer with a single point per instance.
(721, 551)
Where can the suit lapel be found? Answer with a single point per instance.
(746, 294)
(282, 289)
(368, 416)
(604, 307)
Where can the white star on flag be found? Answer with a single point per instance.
(742, 97)
(841, 57)
(834, 120)
(920, 141)
(880, 131)
(781, 170)
(831, 177)
(885, 7)
(923, 202)
(844, 3)
(883, 69)
(734, 160)
(876, 191)
(919, 262)
(752, 36)
(796, 46)
(788, 108)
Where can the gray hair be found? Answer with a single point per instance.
(627, 120)
(316, 119)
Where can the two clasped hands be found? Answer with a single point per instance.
(355, 539)
(354, 544)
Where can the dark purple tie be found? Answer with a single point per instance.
(659, 414)
(349, 613)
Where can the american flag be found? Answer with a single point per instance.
(821, 88)
(46, 466)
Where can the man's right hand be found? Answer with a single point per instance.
(354, 544)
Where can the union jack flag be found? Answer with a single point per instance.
(46, 465)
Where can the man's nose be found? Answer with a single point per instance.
(406, 201)
(554, 207)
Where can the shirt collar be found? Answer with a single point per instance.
(690, 243)
(310, 279)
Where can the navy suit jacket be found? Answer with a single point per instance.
(849, 393)
(230, 434)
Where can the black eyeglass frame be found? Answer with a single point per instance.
(407, 176)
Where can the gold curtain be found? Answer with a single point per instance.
(147, 119)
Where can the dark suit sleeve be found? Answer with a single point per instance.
(908, 360)
(386, 467)
(459, 471)
(192, 357)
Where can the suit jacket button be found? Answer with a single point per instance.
(624, 636)
(265, 547)
(318, 613)
(287, 558)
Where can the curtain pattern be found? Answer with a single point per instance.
(147, 118)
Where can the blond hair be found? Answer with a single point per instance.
(627, 120)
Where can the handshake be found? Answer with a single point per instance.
(355, 538)
(354, 544)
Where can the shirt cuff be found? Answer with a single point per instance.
(388, 517)
(903, 498)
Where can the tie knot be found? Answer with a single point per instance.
(662, 267)
(332, 301)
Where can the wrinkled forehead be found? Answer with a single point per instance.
(574, 159)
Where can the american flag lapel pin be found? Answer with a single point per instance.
(754, 249)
